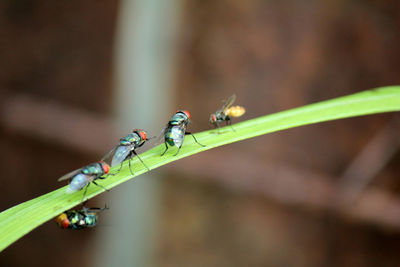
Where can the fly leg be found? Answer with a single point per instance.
(217, 126)
(120, 167)
(179, 148)
(96, 209)
(229, 122)
(99, 185)
(130, 169)
(115, 173)
(194, 139)
(84, 193)
(166, 148)
(134, 152)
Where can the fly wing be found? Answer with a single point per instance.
(227, 104)
(160, 138)
(178, 134)
(108, 157)
(69, 175)
(121, 153)
(79, 181)
(94, 210)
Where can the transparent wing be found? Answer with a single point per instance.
(160, 138)
(94, 210)
(108, 157)
(228, 103)
(69, 175)
(178, 134)
(121, 153)
(79, 181)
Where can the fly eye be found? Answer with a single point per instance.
(65, 224)
(106, 168)
(187, 113)
(143, 135)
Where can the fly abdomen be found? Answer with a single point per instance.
(90, 219)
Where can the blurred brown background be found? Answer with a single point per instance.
(321, 195)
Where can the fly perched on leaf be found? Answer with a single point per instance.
(82, 177)
(79, 219)
(126, 149)
(225, 113)
(175, 131)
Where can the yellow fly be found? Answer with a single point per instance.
(227, 111)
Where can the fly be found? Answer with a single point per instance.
(79, 219)
(126, 148)
(175, 131)
(226, 112)
(82, 177)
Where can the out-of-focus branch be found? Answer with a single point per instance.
(54, 122)
(373, 157)
(289, 185)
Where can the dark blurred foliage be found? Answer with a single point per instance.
(58, 49)
(209, 226)
(274, 55)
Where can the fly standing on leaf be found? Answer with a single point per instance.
(82, 177)
(175, 131)
(126, 149)
(79, 219)
(225, 113)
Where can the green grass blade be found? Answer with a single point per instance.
(23, 218)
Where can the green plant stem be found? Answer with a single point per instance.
(19, 220)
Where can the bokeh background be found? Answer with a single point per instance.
(77, 75)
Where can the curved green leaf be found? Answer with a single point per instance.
(23, 218)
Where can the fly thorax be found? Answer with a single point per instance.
(218, 115)
(131, 138)
(178, 119)
(93, 169)
(125, 142)
(73, 217)
(139, 143)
